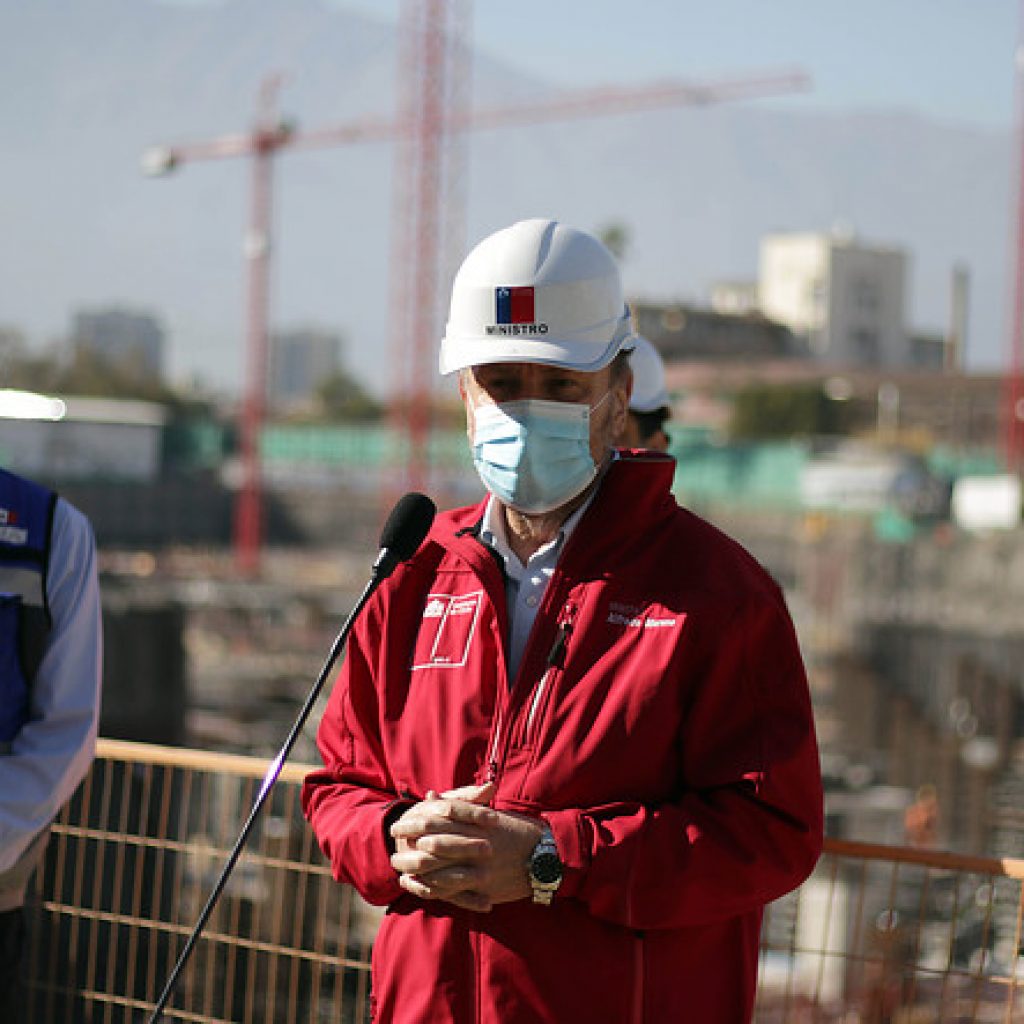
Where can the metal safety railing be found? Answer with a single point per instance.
(896, 935)
(130, 864)
(878, 935)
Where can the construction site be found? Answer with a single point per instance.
(896, 538)
(915, 654)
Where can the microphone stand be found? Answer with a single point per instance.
(381, 569)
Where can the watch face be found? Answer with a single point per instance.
(546, 868)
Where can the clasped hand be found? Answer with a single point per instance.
(452, 846)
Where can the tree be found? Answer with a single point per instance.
(764, 411)
(342, 397)
(13, 349)
(85, 373)
(617, 238)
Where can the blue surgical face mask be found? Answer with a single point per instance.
(534, 455)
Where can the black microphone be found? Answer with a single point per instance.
(403, 533)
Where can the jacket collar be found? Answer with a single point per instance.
(636, 490)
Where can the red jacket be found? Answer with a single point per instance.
(670, 747)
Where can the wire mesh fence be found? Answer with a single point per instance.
(893, 935)
(130, 865)
(878, 935)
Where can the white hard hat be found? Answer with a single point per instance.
(649, 392)
(536, 292)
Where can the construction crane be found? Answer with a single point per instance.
(1013, 384)
(428, 201)
(433, 73)
(432, 121)
(269, 134)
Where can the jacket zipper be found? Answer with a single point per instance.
(555, 662)
(492, 754)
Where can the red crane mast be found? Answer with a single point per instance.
(426, 174)
(1013, 384)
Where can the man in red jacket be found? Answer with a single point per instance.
(571, 747)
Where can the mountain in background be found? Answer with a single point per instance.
(86, 87)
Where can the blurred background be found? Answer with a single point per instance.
(228, 229)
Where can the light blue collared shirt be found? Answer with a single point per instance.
(524, 584)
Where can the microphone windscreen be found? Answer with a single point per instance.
(407, 525)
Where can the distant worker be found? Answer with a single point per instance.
(649, 403)
(921, 818)
(50, 668)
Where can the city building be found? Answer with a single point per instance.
(844, 298)
(300, 361)
(958, 410)
(60, 440)
(684, 332)
(131, 340)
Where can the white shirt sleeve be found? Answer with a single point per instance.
(53, 751)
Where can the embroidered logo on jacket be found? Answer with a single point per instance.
(635, 617)
(445, 635)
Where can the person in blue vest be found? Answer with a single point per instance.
(50, 669)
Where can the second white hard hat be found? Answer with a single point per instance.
(536, 292)
(649, 392)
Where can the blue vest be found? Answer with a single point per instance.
(26, 521)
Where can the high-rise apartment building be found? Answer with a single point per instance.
(299, 362)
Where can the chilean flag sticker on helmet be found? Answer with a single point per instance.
(513, 305)
(536, 292)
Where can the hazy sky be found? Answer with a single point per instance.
(948, 58)
(174, 247)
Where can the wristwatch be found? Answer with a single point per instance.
(545, 869)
